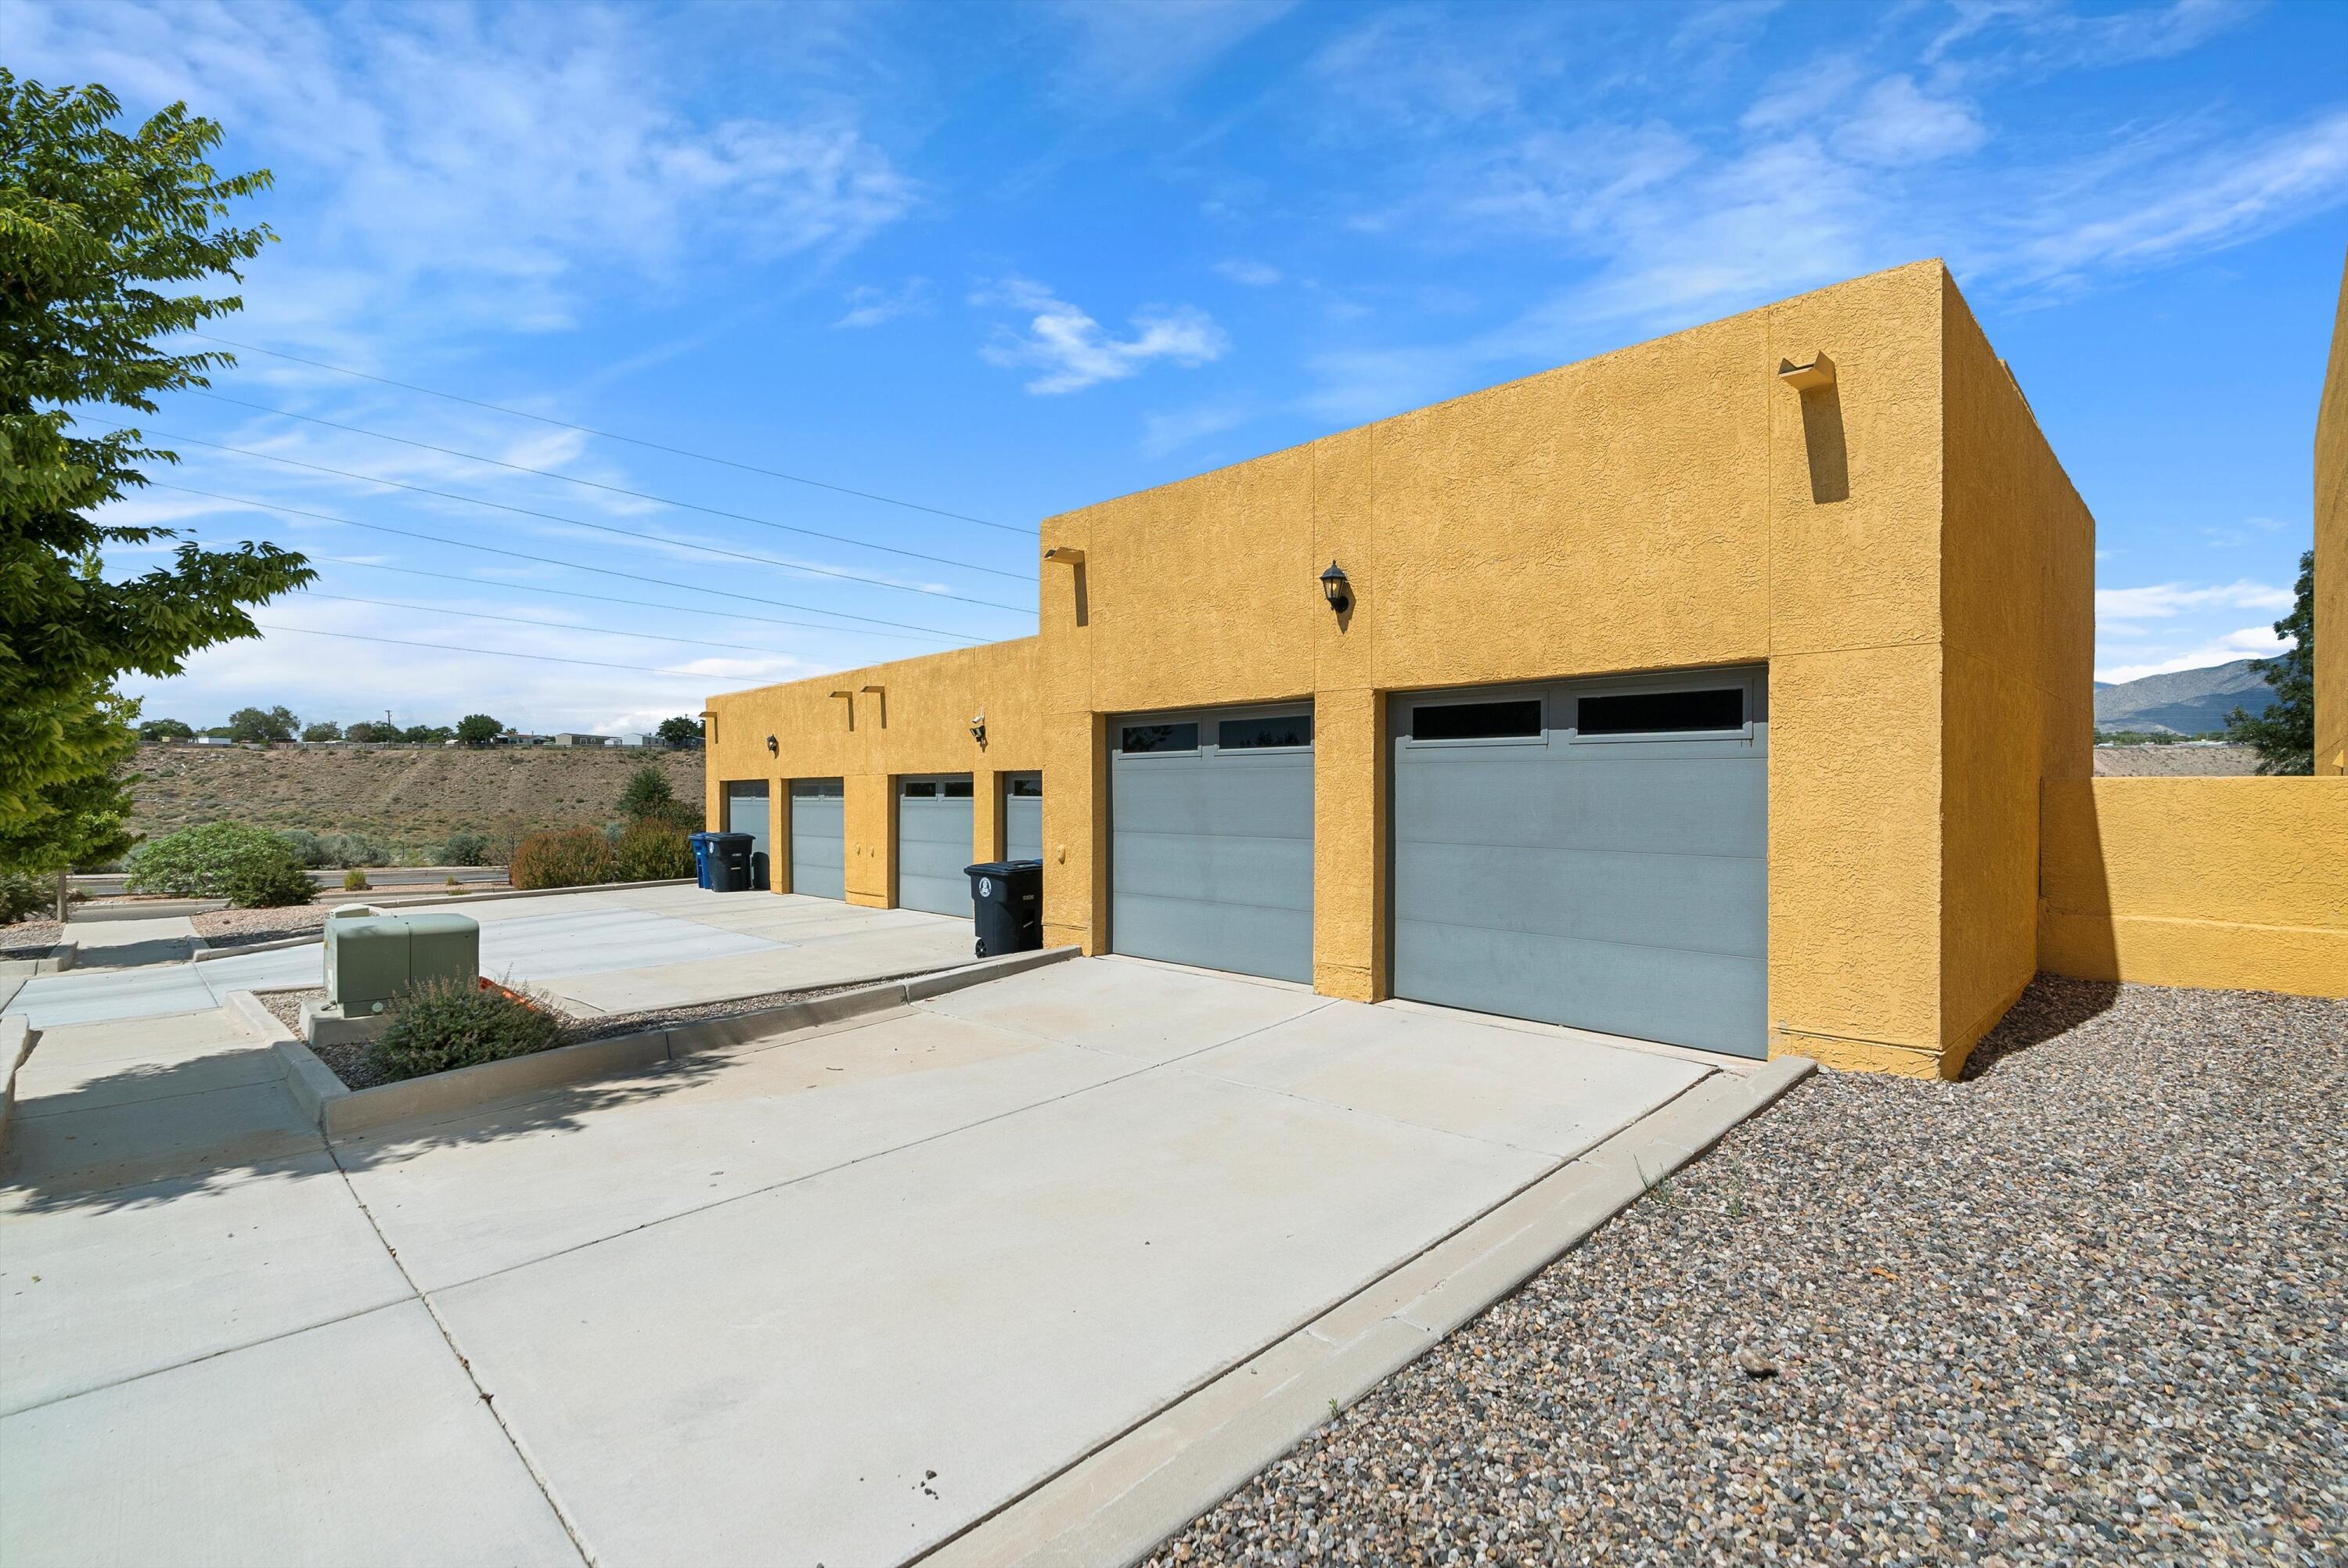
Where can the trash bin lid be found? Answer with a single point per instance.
(1001, 868)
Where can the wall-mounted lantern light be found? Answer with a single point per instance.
(773, 750)
(978, 729)
(1336, 588)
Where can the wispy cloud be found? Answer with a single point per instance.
(1138, 49)
(1248, 274)
(1170, 431)
(2160, 600)
(871, 307)
(1072, 350)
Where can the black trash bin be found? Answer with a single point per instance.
(1006, 898)
(729, 862)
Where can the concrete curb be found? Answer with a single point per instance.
(272, 946)
(159, 909)
(1110, 1509)
(460, 900)
(16, 1039)
(58, 960)
(339, 1111)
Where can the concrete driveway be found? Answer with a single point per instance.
(610, 951)
(824, 1299)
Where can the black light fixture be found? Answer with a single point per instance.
(1336, 588)
(978, 729)
(772, 749)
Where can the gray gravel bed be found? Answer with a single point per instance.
(2086, 1307)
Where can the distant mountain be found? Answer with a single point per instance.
(2185, 701)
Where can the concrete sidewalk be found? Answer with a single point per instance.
(830, 1297)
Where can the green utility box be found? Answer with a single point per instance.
(371, 959)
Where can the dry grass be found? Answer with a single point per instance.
(410, 799)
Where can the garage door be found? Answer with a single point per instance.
(1593, 853)
(1022, 816)
(818, 866)
(745, 812)
(1210, 840)
(933, 842)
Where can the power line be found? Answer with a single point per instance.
(493, 653)
(574, 522)
(549, 560)
(512, 587)
(545, 625)
(618, 490)
(611, 435)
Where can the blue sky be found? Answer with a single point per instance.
(1005, 261)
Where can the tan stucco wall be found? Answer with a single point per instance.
(2331, 552)
(2223, 882)
(918, 722)
(2017, 577)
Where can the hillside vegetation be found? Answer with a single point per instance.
(410, 799)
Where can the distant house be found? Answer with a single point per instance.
(523, 738)
(573, 738)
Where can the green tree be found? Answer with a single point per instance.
(362, 730)
(324, 730)
(262, 724)
(679, 733)
(92, 220)
(647, 792)
(2285, 733)
(479, 730)
(165, 730)
(424, 734)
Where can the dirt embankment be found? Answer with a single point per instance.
(2174, 762)
(410, 799)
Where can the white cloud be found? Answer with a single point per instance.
(473, 167)
(871, 307)
(1072, 350)
(1170, 431)
(2250, 642)
(1898, 123)
(1250, 275)
(2161, 600)
(1141, 49)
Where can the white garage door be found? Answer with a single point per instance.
(818, 860)
(934, 840)
(1210, 839)
(1590, 853)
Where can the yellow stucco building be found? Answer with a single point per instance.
(1711, 691)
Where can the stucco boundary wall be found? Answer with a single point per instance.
(2223, 883)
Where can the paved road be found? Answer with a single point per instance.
(825, 1299)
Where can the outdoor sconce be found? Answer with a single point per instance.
(772, 749)
(978, 729)
(1336, 590)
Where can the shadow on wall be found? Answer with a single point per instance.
(1822, 435)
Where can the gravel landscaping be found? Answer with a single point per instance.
(30, 939)
(2086, 1307)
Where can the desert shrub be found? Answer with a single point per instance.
(354, 881)
(569, 857)
(646, 791)
(650, 850)
(306, 847)
(333, 849)
(466, 849)
(197, 862)
(21, 895)
(441, 1024)
(270, 884)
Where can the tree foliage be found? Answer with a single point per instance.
(92, 219)
(479, 730)
(324, 730)
(647, 792)
(165, 730)
(2285, 733)
(679, 731)
(261, 725)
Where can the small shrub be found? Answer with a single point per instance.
(271, 884)
(354, 881)
(466, 849)
(650, 850)
(354, 849)
(440, 1025)
(570, 858)
(21, 897)
(306, 847)
(451, 881)
(199, 862)
(647, 790)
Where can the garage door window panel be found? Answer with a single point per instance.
(1517, 719)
